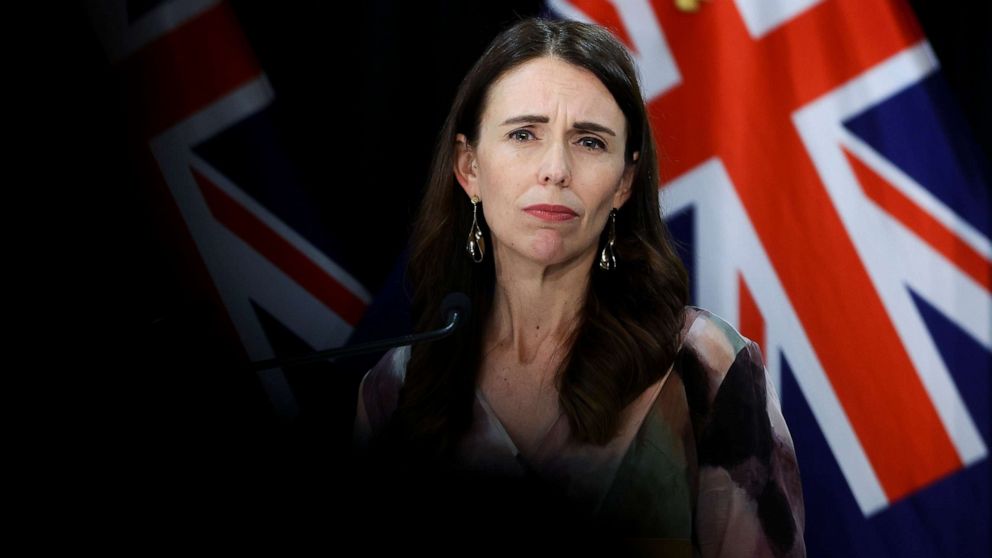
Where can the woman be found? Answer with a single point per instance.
(581, 366)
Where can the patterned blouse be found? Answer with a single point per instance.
(703, 464)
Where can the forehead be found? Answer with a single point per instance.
(547, 86)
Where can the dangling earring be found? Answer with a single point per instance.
(476, 246)
(607, 260)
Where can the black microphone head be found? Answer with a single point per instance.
(456, 302)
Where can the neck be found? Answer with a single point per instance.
(535, 306)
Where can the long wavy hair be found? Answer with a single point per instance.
(627, 333)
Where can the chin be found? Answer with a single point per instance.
(555, 259)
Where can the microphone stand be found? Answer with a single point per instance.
(456, 305)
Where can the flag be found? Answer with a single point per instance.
(833, 207)
(259, 240)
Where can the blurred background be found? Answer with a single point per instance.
(247, 173)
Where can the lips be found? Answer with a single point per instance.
(550, 212)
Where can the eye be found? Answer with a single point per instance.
(513, 134)
(598, 142)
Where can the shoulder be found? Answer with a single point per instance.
(713, 338)
(378, 392)
(381, 385)
(727, 386)
(391, 368)
(712, 348)
(749, 489)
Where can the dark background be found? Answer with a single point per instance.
(151, 400)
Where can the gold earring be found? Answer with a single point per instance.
(476, 246)
(607, 259)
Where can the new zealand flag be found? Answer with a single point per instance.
(836, 211)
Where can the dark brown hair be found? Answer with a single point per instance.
(627, 333)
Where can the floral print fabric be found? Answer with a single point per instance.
(703, 464)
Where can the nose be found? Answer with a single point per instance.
(556, 168)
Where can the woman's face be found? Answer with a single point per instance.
(551, 134)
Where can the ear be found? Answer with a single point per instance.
(466, 167)
(623, 193)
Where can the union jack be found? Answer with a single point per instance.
(807, 161)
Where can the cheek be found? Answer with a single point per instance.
(498, 203)
(500, 220)
(601, 205)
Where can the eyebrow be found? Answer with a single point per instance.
(534, 118)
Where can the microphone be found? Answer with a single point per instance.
(455, 308)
